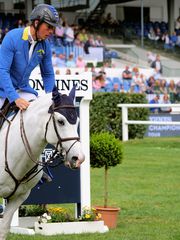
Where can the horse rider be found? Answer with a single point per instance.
(21, 51)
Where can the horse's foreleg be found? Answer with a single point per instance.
(12, 205)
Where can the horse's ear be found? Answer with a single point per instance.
(56, 96)
(72, 92)
(55, 91)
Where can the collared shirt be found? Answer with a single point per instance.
(32, 43)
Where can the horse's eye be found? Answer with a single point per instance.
(61, 122)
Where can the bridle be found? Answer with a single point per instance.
(34, 171)
(60, 140)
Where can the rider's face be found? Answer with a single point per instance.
(45, 31)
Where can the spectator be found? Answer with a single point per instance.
(163, 86)
(157, 65)
(156, 74)
(167, 41)
(142, 83)
(89, 43)
(68, 35)
(1, 35)
(150, 85)
(59, 35)
(19, 24)
(173, 39)
(57, 72)
(61, 62)
(151, 57)
(155, 100)
(102, 72)
(70, 61)
(178, 39)
(80, 63)
(172, 90)
(166, 100)
(54, 59)
(116, 88)
(152, 36)
(109, 21)
(158, 34)
(99, 83)
(68, 71)
(157, 86)
(77, 40)
(178, 91)
(99, 42)
(136, 79)
(83, 37)
(127, 75)
(135, 70)
(177, 25)
(4, 32)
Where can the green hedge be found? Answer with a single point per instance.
(105, 116)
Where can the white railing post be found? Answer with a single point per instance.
(124, 123)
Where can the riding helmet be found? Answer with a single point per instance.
(45, 13)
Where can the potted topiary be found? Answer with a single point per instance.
(106, 151)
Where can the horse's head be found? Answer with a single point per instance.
(61, 130)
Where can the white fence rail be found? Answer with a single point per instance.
(126, 122)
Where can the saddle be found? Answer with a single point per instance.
(7, 110)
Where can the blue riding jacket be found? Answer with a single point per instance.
(15, 66)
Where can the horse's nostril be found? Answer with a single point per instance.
(74, 159)
(73, 162)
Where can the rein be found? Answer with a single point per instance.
(34, 171)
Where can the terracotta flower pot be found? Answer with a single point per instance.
(109, 215)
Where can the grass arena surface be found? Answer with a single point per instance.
(146, 186)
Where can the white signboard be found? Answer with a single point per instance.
(64, 83)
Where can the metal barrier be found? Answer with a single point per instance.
(126, 122)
